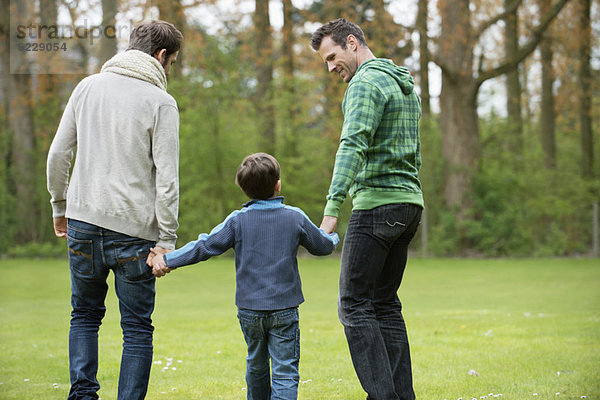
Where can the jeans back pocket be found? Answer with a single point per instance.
(389, 222)
(81, 255)
(131, 259)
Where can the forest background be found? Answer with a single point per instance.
(509, 132)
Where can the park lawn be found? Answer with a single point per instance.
(530, 329)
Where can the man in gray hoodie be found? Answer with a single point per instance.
(120, 202)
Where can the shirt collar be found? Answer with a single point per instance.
(273, 202)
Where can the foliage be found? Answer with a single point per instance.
(517, 207)
(56, 248)
(504, 319)
(216, 132)
(7, 219)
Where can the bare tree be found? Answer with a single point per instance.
(48, 102)
(289, 91)
(424, 57)
(585, 92)
(460, 86)
(548, 116)
(108, 43)
(17, 89)
(5, 137)
(264, 73)
(174, 12)
(513, 85)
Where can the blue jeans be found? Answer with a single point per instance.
(93, 252)
(274, 335)
(373, 262)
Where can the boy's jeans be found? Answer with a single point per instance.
(93, 252)
(274, 335)
(373, 261)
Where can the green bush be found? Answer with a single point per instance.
(53, 249)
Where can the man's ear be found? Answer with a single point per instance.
(161, 56)
(351, 42)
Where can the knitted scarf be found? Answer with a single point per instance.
(137, 64)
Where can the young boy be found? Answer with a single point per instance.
(265, 235)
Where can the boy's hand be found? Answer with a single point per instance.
(159, 267)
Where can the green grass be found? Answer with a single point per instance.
(526, 326)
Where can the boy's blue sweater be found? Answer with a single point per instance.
(265, 235)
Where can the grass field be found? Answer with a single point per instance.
(529, 328)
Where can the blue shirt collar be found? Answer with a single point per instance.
(273, 202)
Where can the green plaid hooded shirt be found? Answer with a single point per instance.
(378, 159)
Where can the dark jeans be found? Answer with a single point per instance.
(373, 262)
(273, 335)
(93, 252)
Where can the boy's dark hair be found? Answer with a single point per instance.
(153, 36)
(257, 175)
(338, 29)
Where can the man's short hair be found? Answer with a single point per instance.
(338, 29)
(153, 36)
(257, 175)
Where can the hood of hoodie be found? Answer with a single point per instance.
(400, 74)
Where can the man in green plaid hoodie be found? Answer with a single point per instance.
(377, 164)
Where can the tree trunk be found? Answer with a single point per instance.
(334, 87)
(459, 122)
(460, 141)
(108, 43)
(217, 149)
(20, 123)
(264, 70)
(290, 103)
(48, 12)
(48, 17)
(173, 12)
(458, 117)
(81, 47)
(48, 104)
(513, 85)
(424, 58)
(5, 195)
(548, 115)
(288, 40)
(378, 42)
(585, 91)
(528, 114)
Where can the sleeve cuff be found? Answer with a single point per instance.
(335, 238)
(167, 261)
(59, 209)
(332, 208)
(166, 244)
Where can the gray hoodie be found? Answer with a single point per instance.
(125, 176)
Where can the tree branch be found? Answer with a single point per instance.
(421, 30)
(510, 9)
(436, 59)
(525, 50)
(196, 3)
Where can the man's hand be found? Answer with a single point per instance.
(329, 224)
(159, 267)
(154, 252)
(60, 227)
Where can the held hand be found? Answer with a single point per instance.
(159, 267)
(329, 224)
(60, 227)
(154, 252)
